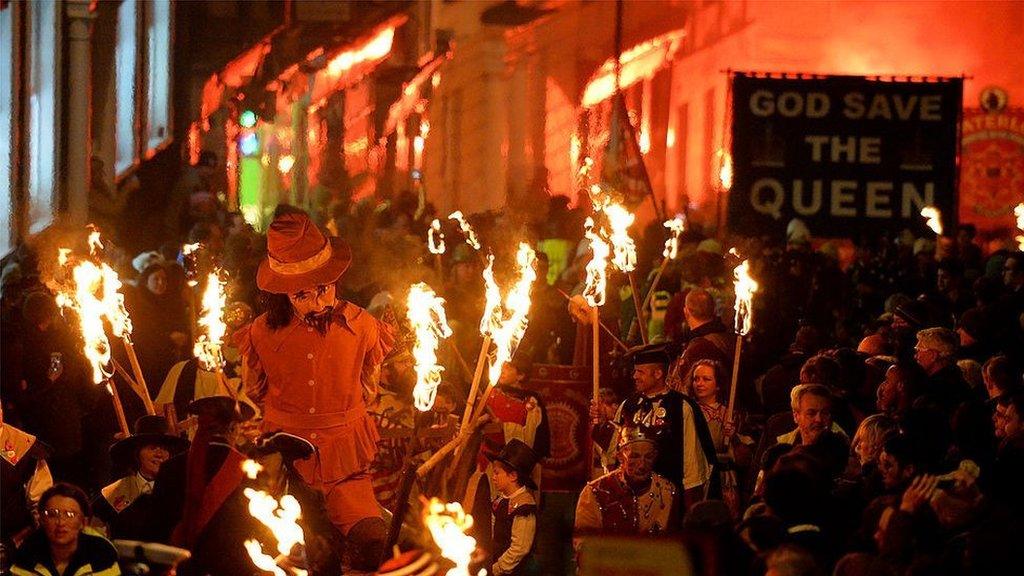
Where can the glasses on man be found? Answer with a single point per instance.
(54, 514)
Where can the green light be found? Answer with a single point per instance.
(247, 119)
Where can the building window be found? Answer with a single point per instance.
(6, 121)
(42, 135)
(127, 44)
(158, 63)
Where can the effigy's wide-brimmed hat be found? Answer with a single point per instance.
(300, 257)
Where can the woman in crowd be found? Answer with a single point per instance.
(866, 446)
(62, 546)
(731, 448)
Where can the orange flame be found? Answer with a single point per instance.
(207, 348)
(1018, 211)
(934, 218)
(427, 318)
(725, 170)
(92, 291)
(745, 287)
(435, 238)
(492, 300)
(466, 229)
(676, 227)
(597, 268)
(281, 517)
(512, 324)
(448, 524)
(623, 247)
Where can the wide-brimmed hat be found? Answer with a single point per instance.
(290, 446)
(222, 408)
(149, 431)
(521, 458)
(300, 257)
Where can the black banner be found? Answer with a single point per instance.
(847, 155)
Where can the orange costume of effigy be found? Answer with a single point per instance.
(312, 379)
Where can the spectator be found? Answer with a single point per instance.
(812, 413)
(62, 546)
(709, 339)
(161, 324)
(944, 385)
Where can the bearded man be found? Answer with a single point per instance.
(312, 363)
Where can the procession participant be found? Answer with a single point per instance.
(191, 486)
(24, 476)
(188, 380)
(63, 546)
(686, 451)
(516, 414)
(124, 507)
(514, 523)
(632, 500)
(311, 362)
(277, 453)
(709, 339)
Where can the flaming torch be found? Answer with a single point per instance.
(86, 281)
(745, 287)
(505, 326)
(508, 326)
(448, 524)
(1018, 211)
(209, 343)
(466, 229)
(594, 292)
(934, 217)
(676, 226)
(435, 244)
(281, 517)
(427, 318)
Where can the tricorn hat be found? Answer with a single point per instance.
(222, 408)
(290, 446)
(299, 256)
(149, 431)
(521, 458)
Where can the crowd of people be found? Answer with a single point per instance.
(875, 425)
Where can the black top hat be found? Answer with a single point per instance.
(222, 408)
(521, 458)
(649, 354)
(290, 446)
(149, 431)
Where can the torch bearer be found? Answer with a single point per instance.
(594, 293)
(745, 287)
